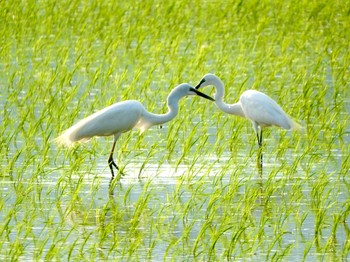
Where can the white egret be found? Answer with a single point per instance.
(122, 117)
(259, 108)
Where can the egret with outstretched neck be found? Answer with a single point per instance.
(122, 117)
(256, 106)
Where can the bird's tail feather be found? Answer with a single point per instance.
(64, 140)
(296, 126)
(70, 137)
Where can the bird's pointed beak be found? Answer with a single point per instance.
(202, 94)
(199, 84)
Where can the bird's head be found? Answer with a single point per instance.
(211, 79)
(188, 90)
(208, 79)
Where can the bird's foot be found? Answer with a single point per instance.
(112, 165)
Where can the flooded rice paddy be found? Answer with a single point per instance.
(200, 195)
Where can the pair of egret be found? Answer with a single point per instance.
(121, 117)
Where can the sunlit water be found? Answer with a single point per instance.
(70, 210)
(74, 210)
(72, 216)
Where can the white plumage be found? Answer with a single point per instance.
(122, 117)
(264, 111)
(259, 108)
(117, 118)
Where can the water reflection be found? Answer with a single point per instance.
(172, 208)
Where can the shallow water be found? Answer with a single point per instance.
(213, 205)
(163, 214)
(196, 200)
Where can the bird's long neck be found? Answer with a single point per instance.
(173, 109)
(234, 109)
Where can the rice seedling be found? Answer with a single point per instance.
(200, 196)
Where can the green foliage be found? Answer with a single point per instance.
(201, 196)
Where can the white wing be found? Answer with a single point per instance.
(263, 110)
(117, 118)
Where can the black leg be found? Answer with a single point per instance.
(111, 162)
(260, 160)
(260, 154)
(260, 138)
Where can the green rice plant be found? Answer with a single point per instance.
(200, 195)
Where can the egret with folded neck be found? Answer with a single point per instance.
(256, 106)
(122, 117)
